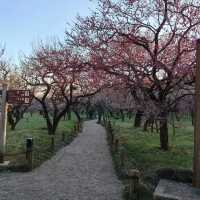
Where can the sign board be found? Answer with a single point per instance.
(19, 96)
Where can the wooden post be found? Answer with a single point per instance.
(29, 152)
(110, 130)
(52, 143)
(75, 130)
(116, 145)
(133, 175)
(122, 158)
(63, 137)
(3, 122)
(78, 126)
(111, 138)
(196, 162)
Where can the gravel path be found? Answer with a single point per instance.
(81, 171)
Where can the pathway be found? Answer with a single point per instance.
(82, 170)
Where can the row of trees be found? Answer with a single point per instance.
(144, 49)
(60, 79)
(148, 44)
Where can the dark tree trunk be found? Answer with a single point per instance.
(69, 114)
(100, 114)
(13, 125)
(91, 114)
(14, 116)
(64, 117)
(164, 143)
(177, 116)
(192, 116)
(138, 118)
(122, 115)
(47, 118)
(129, 114)
(152, 125)
(111, 114)
(77, 116)
(157, 126)
(173, 124)
(146, 124)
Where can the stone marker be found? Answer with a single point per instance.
(171, 190)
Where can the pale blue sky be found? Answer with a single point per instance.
(23, 22)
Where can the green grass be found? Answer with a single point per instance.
(35, 127)
(143, 148)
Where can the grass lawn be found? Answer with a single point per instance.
(143, 147)
(35, 127)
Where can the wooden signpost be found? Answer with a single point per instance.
(3, 121)
(22, 97)
(19, 96)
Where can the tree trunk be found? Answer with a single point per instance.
(99, 117)
(146, 125)
(77, 116)
(157, 126)
(164, 143)
(13, 125)
(129, 114)
(192, 117)
(47, 118)
(177, 116)
(138, 118)
(69, 115)
(151, 122)
(64, 117)
(173, 125)
(122, 115)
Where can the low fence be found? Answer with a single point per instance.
(120, 157)
(29, 155)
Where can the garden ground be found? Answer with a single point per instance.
(81, 170)
(142, 147)
(35, 127)
(144, 153)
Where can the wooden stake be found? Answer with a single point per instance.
(122, 158)
(196, 162)
(133, 175)
(52, 143)
(116, 145)
(63, 137)
(29, 152)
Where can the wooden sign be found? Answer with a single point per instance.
(19, 96)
